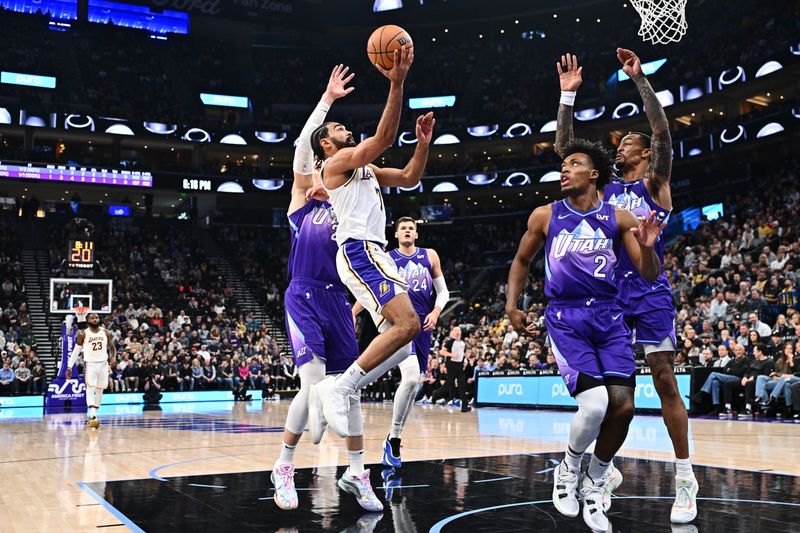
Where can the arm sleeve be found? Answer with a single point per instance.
(73, 357)
(303, 155)
(442, 294)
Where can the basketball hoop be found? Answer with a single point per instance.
(663, 21)
(81, 312)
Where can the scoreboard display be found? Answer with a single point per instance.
(80, 255)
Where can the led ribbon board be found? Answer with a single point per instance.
(431, 102)
(91, 176)
(225, 100)
(28, 80)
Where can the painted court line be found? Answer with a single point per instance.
(208, 486)
(111, 509)
(493, 479)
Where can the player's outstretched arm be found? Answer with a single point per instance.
(639, 239)
(442, 294)
(529, 246)
(347, 159)
(658, 173)
(303, 163)
(569, 78)
(410, 175)
(76, 351)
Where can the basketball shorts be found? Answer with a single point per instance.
(589, 338)
(371, 275)
(421, 346)
(96, 374)
(319, 322)
(648, 309)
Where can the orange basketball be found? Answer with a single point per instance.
(384, 41)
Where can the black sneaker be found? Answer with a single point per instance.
(726, 413)
(466, 408)
(715, 411)
(747, 413)
(697, 397)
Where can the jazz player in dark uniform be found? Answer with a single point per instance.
(646, 165)
(422, 270)
(582, 238)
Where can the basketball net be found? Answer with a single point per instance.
(81, 312)
(663, 21)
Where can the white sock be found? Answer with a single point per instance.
(349, 380)
(598, 469)
(287, 455)
(728, 406)
(92, 412)
(683, 468)
(356, 462)
(573, 460)
(395, 359)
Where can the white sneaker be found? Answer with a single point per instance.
(684, 510)
(594, 497)
(316, 420)
(335, 405)
(565, 491)
(613, 483)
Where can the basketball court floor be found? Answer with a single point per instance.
(204, 467)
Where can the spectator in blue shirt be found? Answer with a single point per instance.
(7, 377)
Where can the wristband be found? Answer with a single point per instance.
(568, 98)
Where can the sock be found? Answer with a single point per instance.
(349, 380)
(397, 430)
(748, 407)
(573, 460)
(683, 468)
(287, 455)
(92, 412)
(356, 462)
(728, 406)
(598, 469)
(394, 443)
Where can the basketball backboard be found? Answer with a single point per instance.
(68, 293)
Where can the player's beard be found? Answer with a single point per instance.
(349, 143)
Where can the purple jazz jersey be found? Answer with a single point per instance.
(416, 270)
(648, 307)
(318, 317)
(313, 252)
(587, 333)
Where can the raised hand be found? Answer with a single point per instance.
(403, 58)
(631, 65)
(569, 73)
(648, 230)
(425, 125)
(337, 83)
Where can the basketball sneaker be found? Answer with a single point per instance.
(684, 510)
(282, 477)
(93, 422)
(335, 404)
(360, 487)
(595, 496)
(613, 483)
(565, 491)
(316, 418)
(391, 453)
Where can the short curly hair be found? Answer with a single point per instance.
(601, 158)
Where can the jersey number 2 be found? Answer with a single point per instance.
(600, 261)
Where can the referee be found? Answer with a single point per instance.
(454, 351)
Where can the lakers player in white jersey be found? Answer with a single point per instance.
(98, 348)
(353, 185)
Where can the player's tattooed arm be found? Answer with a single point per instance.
(570, 78)
(660, 169)
(529, 246)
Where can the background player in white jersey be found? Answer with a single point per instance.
(646, 165)
(354, 184)
(98, 348)
(422, 270)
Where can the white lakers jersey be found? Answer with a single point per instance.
(95, 346)
(358, 205)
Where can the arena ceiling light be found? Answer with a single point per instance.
(386, 5)
(695, 151)
(79, 122)
(414, 188)
(795, 49)
(548, 127)
(517, 179)
(768, 68)
(624, 110)
(518, 129)
(482, 179)
(795, 113)
(770, 129)
(731, 76)
(197, 135)
(268, 185)
(5, 116)
(36, 122)
(591, 113)
(406, 137)
(231, 187)
(233, 138)
(119, 129)
(731, 135)
(160, 128)
(553, 175)
(665, 97)
(270, 136)
(447, 138)
(445, 186)
(484, 130)
(690, 93)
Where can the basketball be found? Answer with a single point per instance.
(384, 41)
